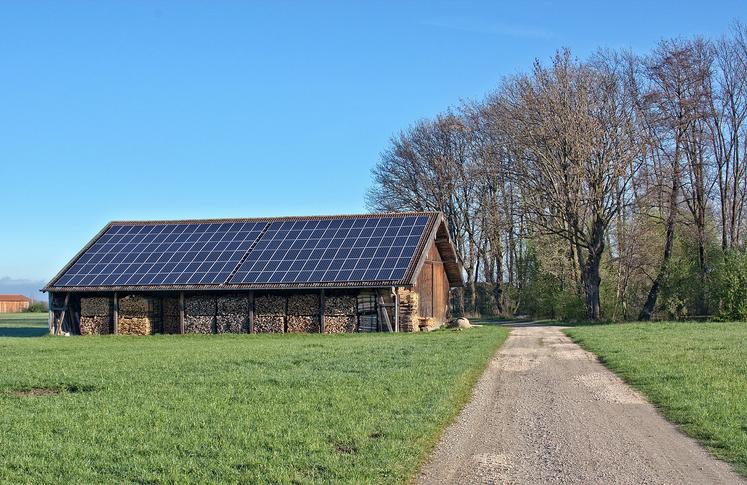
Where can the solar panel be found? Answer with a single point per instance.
(163, 254)
(376, 248)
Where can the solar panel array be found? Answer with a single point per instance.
(294, 252)
(163, 254)
(337, 250)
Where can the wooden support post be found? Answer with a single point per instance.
(61, 321)
(395, 296)
(115, 314)
(383, 314)
(181, 312)
(251, 312)
(285, 316)
(163, 316)
(321, 311)
(50, 304)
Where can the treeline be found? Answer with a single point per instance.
(612, 187)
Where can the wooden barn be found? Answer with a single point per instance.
(14, 303)
(330, 274)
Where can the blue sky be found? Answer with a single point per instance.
(149, 110)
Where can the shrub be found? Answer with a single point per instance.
(731, 286)
(37, 307)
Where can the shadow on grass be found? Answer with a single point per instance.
(528, 322)
(22, 331)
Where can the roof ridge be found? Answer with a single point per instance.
(6, 296)
(275, 218)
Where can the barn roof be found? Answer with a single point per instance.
(15, 298)
(344, 251)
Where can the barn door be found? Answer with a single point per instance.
(368, 317)
(426, 290)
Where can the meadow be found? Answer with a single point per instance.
(694, 373)
(358, 408)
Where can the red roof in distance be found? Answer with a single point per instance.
(15, 298)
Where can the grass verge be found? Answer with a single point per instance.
(23, 324)
(242, 408)
(695, 373)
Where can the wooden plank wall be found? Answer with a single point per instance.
(432, 287)
(13, 306)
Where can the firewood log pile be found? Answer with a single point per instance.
(136, 314)
(274, 312)
(233, 314)
(340, 323)
(303, 323)
(340, 305)
(408, 311)
(340, 314)
(269, 323)
(134, 326)
(95, 325)
(303, 304)
(269, 304)
(171, 315)
(95, 306)
(199, 314)
(134, 306)
(303, 313)
(95, 316)
(269, 313)
(198, 324)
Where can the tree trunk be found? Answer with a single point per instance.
(498, 286)
(591, 279)
(458, 303)
(702, 307)
(653, 293)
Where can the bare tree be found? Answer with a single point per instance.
(671, 99)
(574, 127)
(427, 168)
(728, 112)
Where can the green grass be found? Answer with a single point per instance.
(695, 373)
(23, 324)
(188, 409)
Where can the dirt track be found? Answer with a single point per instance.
(545, 411)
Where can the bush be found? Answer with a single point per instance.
(37, 307)
(730, 279)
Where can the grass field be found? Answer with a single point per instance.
(287, 408)
(695, 373)
(23, 324)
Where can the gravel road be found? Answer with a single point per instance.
(546, 411)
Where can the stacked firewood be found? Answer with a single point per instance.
(269, 304)
(134, 326)
(233, 314)
(135, 313)
(199, 314)
(340, 314)
(269, 323)
(303, 323)
(303, 304)
(95, 316)
(95, 306)
(408, 311)
(95, 325)
(269, 316)
(303, 313)
(340, 305)
(171, 315)
(134, 305)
